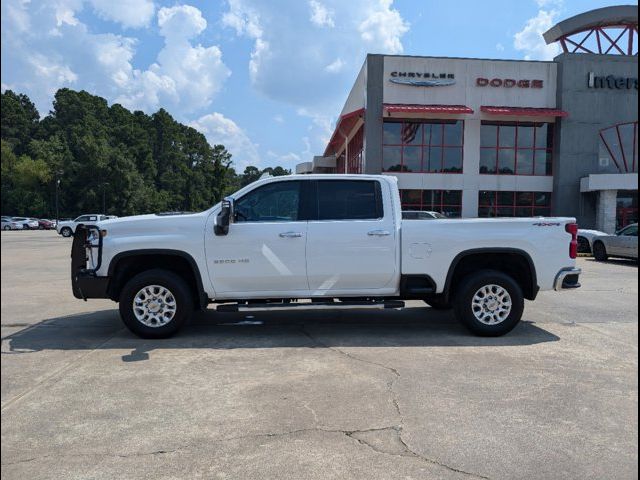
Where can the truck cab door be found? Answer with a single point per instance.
(352, 241)
(263, 253)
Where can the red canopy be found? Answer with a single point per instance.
(345, 123)
(524, 111)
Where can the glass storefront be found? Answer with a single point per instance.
(447, 202)
(514, 204)
(423, 146)
(512, 148)
(626, 208)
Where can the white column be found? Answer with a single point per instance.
(606, 211)
(471, 168)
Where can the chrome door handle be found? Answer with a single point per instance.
(290, 234)
(379, 233)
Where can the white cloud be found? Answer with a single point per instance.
(313, 68)
(499, 47)
(296, 64)
(45, 47)
(129, 13)
(222, 130)
(383, 28)
(321, 16)
(529, 40)
(278, 118)
(335, 66)
(181, 23)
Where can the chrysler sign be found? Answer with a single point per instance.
(423, 79)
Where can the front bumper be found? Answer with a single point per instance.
(85, 283)
(567, 279)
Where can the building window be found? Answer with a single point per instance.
(516, 148)
(355, 148)
(618, 149)
(447, 202)
(626, 208)
(418, 146)
(514, 204)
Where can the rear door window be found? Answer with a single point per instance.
(349, 200)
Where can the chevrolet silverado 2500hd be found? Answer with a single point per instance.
(338, 240)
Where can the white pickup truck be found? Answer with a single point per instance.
(338, 240)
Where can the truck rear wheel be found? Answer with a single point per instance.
(155, 304)
(489, 303)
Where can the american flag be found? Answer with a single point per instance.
(409, 131)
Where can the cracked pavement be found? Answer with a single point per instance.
(341, 394)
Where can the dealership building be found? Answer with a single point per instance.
(503, 138)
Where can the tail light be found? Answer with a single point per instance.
(572, 228)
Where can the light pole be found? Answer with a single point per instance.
(57, 208)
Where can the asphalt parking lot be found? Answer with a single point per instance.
(340, 395)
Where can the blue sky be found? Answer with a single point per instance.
(265, 78)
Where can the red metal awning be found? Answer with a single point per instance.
(451, 109)
(344, 126)
(524, 111)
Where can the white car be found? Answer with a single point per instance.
(339, 240)
(68, 227)
(586, 238)
(27, 223)
(9, 224)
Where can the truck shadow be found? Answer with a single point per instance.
(411, 327)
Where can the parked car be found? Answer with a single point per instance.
(335, 239)
(9, 224)
(45, 224)
(67, 228)
(586, 239)
(421, 215)
(27, 223)
(623, 244)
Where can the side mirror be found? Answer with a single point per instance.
(224, 217)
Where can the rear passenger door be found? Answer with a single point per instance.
(351, 240)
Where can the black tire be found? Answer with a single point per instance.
(26, 227)
(583, 245)
(465, 293)
(600, 252)
(438, 304)
(178, 289)
(6, 227)
(66, 232)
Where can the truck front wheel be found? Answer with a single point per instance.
(489, 303)
(155, 304)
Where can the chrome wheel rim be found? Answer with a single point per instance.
(491, 304)
(154, 306)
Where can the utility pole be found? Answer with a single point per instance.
(57, 208)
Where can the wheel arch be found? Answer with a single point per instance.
(125, 265)
(521, 268)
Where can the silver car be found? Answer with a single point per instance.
(9, 224)
(623, 244)
(27, 223)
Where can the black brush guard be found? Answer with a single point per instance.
(85, 282)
